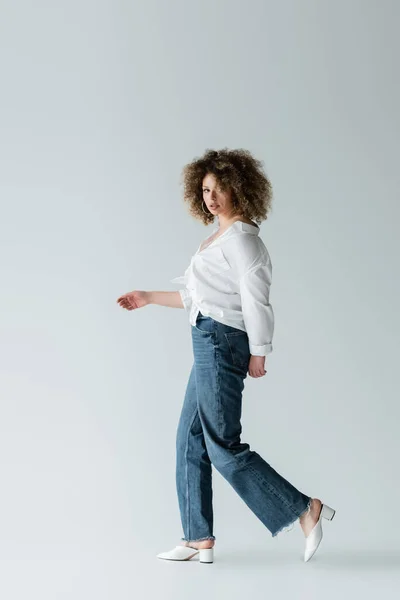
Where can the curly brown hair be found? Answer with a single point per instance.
(234, 169)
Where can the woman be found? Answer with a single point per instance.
(226, 296)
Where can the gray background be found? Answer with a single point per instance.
(102, 103)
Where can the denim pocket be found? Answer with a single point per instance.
(238, 343)
(204, 325)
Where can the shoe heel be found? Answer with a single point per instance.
(206, 555)
(327, 512)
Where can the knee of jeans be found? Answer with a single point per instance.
(221, 458)
(213, 454)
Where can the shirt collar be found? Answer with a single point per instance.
(241, 226)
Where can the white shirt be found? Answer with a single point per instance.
(229, 281)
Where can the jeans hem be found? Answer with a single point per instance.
(289, 526)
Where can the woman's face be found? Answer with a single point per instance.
(218, 201)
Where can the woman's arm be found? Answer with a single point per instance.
(171, 299)
(140, 298)
(258, 314)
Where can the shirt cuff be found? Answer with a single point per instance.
(186, 298)
(260, 350)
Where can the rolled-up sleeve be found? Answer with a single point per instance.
(184, 292)
(258, 314)
(186, 298)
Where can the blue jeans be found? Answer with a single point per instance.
(208, 433)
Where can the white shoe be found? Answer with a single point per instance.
(206, 555)
(314, 538)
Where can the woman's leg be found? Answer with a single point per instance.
(221, 357)
(193, 472)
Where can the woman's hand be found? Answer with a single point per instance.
(256, 366)
(133, 300)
